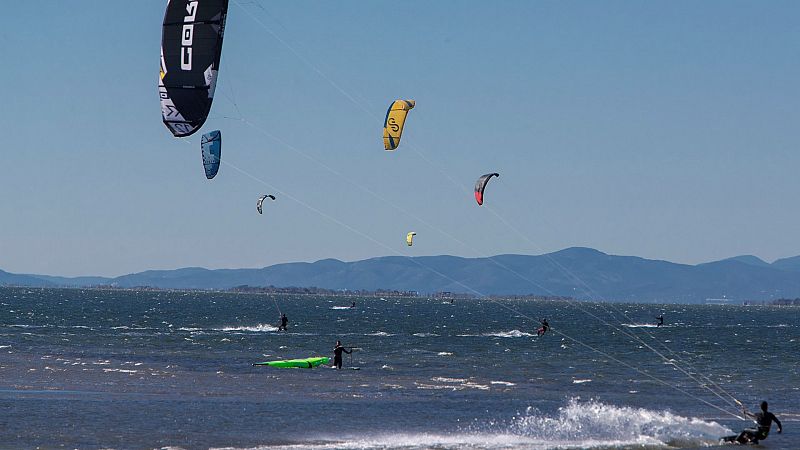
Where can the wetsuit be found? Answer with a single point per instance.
(545, 327)
(660, 321)
(284, 322)
(764, 421)
(337, 356)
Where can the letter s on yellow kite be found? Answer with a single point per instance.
(393, 124)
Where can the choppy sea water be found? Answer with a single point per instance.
(123, 369)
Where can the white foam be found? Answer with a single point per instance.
(121, 370)
(379, 333)
(577, 425)
(260, 328)
(587, 380)
(585, 424)
(509, 334)
(449, 380)
(341, 307)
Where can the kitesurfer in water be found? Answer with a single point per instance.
(337, 354)
(284, 322)
(353, 305)
(544, 328)
(764, 421)
(660, 320)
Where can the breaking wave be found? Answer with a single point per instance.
(578, 425)
(255, 328)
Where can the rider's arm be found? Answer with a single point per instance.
(780, 427)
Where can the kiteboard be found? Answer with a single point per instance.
(731, 440)
(305, 363)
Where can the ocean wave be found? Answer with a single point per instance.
(509, 334)
(453, 384)
(500, 334)
(577, 425)
(260, 328)
(594, 424)
(121, 371)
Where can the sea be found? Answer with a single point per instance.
(123, 369)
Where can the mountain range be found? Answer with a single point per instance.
(577, 272)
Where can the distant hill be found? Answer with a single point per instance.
(578, 272)
(749, 259)
(75, 282)
(792, 263)
(23, 280)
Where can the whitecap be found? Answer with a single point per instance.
(121, 370)
(509, 334)
(257, 328)
(449, 380)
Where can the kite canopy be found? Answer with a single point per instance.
(191, 45)
(261, 201)
(211, 145)
(410, 238)
(393, 124)
(480, 185)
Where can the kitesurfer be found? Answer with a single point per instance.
(544, 328)
(337, 354)
(660, 320)
(763, 420)
(353, 305)
(284, 322)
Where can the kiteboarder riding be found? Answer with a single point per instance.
(660, 320)
(764, 421)
(544, 328)
(337, 354)
(284, 322)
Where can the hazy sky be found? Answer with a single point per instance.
(667, 130)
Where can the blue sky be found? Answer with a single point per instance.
(667, 130)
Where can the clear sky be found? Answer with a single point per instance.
(667, 130)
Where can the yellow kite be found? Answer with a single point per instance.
(393, 124)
